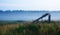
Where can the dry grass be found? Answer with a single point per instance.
(30, 29)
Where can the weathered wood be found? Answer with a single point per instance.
(49, 18)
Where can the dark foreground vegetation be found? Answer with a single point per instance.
(17, 28)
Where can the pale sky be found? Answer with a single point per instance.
(30, 5)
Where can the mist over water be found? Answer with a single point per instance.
(27, 15)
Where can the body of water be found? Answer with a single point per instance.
(27, 15)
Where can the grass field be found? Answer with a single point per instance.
(24, 28)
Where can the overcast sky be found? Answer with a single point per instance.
(30, 4)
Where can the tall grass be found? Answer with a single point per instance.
(30, 29)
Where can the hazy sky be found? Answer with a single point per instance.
(30, 4)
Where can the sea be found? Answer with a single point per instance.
(28, 15)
